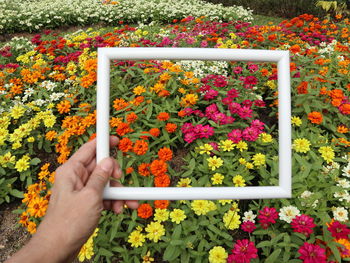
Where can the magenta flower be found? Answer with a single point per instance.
(235, 135)
(237, 70)
(248, 226)
(257, 124)
(311, 253)
(253, 67)
(250, 134)
(211, 94)
(232, 93)
(247, 103)
(215, 145)
(220, 82)
(227, 100)
(234, 107)
(211, 110)
(267, 216)
(303, 224)
(187, 127)
(259, 103)
(339, 230)
(250, 80)
(242, 252)
(190, 137)
(245, 112)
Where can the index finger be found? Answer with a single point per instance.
(87, 152)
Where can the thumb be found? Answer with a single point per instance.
(100, 176)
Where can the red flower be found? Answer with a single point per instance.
(303, 224)
(145, 211)
(163, 116)
(242, 252)
(339, 230)
(248, 226)
(267, 216)
(161, 204)
(311, 253)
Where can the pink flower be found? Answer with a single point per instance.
(257, 124)
(247, 103)
(190, 137)
(311, 253)
(250, 134)
(211, 94)
(267, 216)
(220, 82)
(232, 93)
(188, 111)
(253, 67)
(238, 70)
(219, 118)
(303, 224)
(259, 103)
(204, 43)
(248, 226)
(235, 135)
(245, 112)
(242, 252)
(215, 145)
(211, 110)
(187, 127)
(234, 107)
(339, 230)
(250, 80)
(227, 100)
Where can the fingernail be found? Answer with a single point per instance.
(106, 165)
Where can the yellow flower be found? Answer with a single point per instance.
(301, 145)
(259, 159)
(7, 158)
(17, 111)
(161, 215)
(327, 153)
(241, 146)
(224, 202)
(177, 215)
(242, 161)
(3, 135)
(296, 121)
(87, 251)
(249, 165)
(4, 122)
(155, 230)
(136, 239)
(147, 258)
(238, 181)
(217, 178)
(189, 100)
(271, 84)
(139, 90)
(22, 164)
(205, 149)
(266, 138)
(214, 162)
(31, 139)
(200, 207)
(231, 220)
(217, 255)
(226, 145)
(184, 182)
(181, 90)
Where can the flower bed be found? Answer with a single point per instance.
(189, 124)
(18, 16)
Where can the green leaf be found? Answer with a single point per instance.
(16, 193)
(176, 242)
(169, 253)
(272, 258)
(35, 161)
(264, 244)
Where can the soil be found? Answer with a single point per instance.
(12, 236)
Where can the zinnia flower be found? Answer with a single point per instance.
(267, 216)
(217, 255)
(311, 253)
(145, 211)
(315, 117)
(303, 224)
(165, 154)
(242, 252)
(140, 147)
(301, 145)
(339, 230)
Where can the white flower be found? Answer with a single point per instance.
(340, 214)
(306, 194)
(249, 216)
(288, 213)
(342, 196)
(343, 183)
(346, 170)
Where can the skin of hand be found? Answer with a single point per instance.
(75, 207)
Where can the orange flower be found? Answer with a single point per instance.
(164, 93)
(138, 100)
(315, 117)
(129, 170)
(144, 137)
(50, 135)
(123, 128)
(131, 117)
(345, 108)
(63, 106)
(302, 87)
(143, 169)
(163, 116)
(158, 167)
(119, 104)
(125, 145)
(295, 48)
(181, 113)
(140, 147)
(114, 122)
(154, 132)
(342, 129)
(37, 207)
(170, 127)
(165, 154)
(145, 211)
(161, 204)
(93, 136)
(162, 181)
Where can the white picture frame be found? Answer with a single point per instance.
(283, 190)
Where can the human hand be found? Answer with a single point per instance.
(76, 203)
